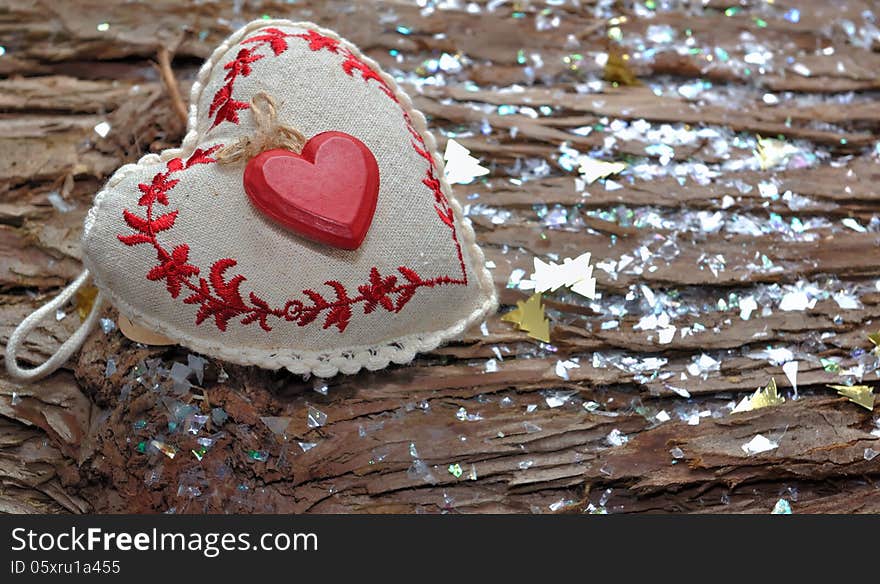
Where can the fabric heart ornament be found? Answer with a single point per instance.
(341, 250)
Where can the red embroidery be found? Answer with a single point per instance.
(351, 64)
(220, 298)
(223, 107)
(273, 37)
(318, 41)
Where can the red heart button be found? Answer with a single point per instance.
(327, 193)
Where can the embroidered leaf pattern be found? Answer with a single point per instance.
(226, 302)
(134, 239)
(202, 156)
(135, 222)
(317, 41)
(340, 311)
(377, 291)
(164, 222)
(174, 269)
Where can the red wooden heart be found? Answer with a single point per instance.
(327, 193)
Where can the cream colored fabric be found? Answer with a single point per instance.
(216, 220)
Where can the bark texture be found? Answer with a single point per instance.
(392, 440)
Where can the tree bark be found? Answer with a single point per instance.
(450, 432)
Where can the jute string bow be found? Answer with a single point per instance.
(268, 133)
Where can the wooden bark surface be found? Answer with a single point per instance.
(68, 444)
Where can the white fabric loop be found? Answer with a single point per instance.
(67, 348)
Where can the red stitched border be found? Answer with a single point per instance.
(220, 298)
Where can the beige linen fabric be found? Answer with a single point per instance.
(216, 220)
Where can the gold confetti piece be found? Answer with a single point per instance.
(862, 395)
(84, 300)
(529, 316)
(138, 334)
(575, 274)
(592, 170)
(617, 70)
(763, 398)
(772, 152)
(875, 338)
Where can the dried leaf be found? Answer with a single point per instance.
(139, 334)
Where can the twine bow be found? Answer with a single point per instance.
(269, 133)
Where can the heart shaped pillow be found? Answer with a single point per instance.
(179, 245)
